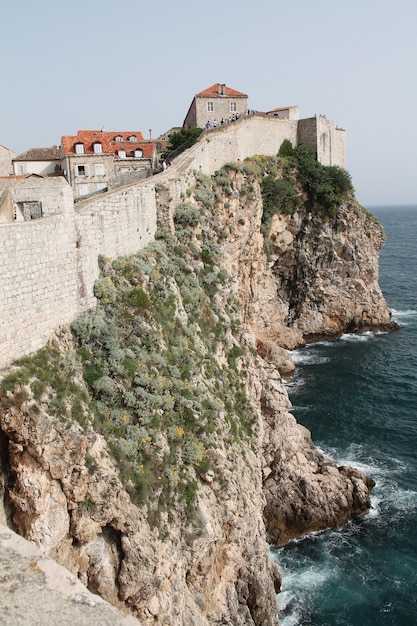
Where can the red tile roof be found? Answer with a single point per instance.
(227, 91)
(108, 142)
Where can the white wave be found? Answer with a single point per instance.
(308, 357)
(357, 456)
(403, 317)
(387, 493)
(366, 336)
(375, 509)
(405, 313)
(295, 383)
(298, 408)
(300, 585)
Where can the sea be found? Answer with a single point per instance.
(358, 397)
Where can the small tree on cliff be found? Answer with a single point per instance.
(286, 149)
(181, 140)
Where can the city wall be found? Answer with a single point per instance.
(48, 266)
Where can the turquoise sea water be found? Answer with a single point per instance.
(358, 397)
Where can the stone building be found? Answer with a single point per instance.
(32, 197)
(92, 160)
(217, 102)
(45, 161)
(6, 158)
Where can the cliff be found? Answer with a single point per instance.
(149, 448)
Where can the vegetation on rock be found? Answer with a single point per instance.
(162, 356)
(162, 360)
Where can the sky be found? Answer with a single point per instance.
(135, 65)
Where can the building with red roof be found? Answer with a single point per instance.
(214, 104)
(92, 160)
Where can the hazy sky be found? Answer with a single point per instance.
(135, 65)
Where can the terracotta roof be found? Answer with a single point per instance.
(219, 89)
(39, 154)
(108, 142)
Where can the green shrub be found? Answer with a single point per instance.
(187, 215)
(105, 290)
(137, 298)
(278, 196)
(326, 186)
(286, 149)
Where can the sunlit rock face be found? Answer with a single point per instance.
(65, 490)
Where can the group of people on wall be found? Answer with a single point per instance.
(227, 120)
(224, 120)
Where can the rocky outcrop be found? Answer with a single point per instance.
(64, 488)
(320, 279)
(65, 495)
(321, 276)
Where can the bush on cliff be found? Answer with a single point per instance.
(326, 186)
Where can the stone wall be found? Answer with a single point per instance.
(39, 283)
(53, 193)
(48, 266)
(321, 135)
(114, 224)
(249, 135)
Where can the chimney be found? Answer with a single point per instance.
(221, 89)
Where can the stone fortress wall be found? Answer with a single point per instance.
(48, 266)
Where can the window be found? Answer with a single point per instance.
(118, 138)
(79, 148)
(99, 169)
(80, 170)
(82, 190)
(132, 138)
(122, 154)
(138, 154)
(98, 148)
(32, 210)
(210, 106)
(233, 106)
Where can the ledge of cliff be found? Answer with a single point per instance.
(149, 449)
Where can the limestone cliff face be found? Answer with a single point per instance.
(321, 275)
(65, 494)
(66, 490)
(319, 280)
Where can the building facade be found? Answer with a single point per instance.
(93, 159)
(45, 161)
(211, 105)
